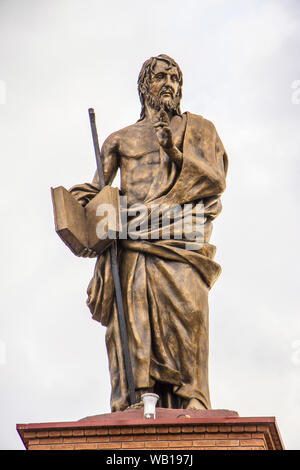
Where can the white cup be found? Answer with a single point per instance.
(149, 400)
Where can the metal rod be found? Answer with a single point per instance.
(115, 271)
(97, 148)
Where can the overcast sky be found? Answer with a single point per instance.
(240, 62)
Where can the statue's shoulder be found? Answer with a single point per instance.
(128, 132)
(198, 120)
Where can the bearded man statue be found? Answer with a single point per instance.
(166, 159)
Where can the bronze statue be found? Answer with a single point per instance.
(167, 158)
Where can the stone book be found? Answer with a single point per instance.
(94, 226)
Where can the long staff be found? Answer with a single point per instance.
(115, 271)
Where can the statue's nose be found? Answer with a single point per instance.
(169, 81)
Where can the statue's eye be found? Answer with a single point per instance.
(160, 76)
(174, 78)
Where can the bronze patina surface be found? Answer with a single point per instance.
(166, 157)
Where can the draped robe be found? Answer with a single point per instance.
(164, 284)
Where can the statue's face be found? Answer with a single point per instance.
(164, 83)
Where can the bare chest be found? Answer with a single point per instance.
(141, 140)
(139, 157)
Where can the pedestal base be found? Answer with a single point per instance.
(173, 429)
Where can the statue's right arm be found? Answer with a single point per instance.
(109, 155)
(84, 193)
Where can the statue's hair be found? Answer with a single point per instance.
(145, 78)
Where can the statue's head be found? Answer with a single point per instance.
(160, 84)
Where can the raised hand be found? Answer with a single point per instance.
(163, 131)
(164, 136)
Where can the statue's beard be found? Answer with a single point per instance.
(159, 102)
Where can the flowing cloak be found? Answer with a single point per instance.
(165, 285)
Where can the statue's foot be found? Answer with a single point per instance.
(195, 404)
(135, 406)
